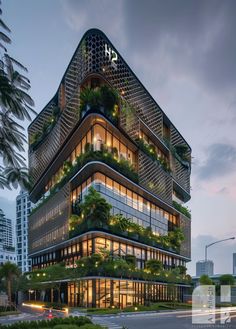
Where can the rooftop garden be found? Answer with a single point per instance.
(184, 210)
(103, 99)
(84, 219)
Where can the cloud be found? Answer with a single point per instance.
(221, 159)
(195, 37)
(103, 14)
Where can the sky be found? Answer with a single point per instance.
(184, 53)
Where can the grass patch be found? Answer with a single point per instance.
(139, 308)
(97, 311)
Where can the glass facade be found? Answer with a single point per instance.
(99, 138)
(128, 203)
(106, 292)
(70, 254)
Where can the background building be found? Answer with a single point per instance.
(205, 267)
(23, 207)
(7, 248)
(103, 129)
(234, 263)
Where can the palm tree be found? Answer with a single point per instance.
(17, 176)
(9, 271)
(15, 106)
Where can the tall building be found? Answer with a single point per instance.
(234, 263)
(7, 248)
(23, 208)
(205, 267)
(103, 129)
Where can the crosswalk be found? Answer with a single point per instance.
(104, 322)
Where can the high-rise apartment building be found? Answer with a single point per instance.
(205, 267)
(7, 248)
(23, 208)
(103, 129)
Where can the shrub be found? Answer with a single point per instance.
(184, 210)
(92, 326)
(66, 326)
(67, 323)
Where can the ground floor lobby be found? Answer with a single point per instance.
(111, 292)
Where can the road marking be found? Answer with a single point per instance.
(105, 323)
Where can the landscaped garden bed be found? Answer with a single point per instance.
(70, 322)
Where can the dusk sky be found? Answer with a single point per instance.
(184, 53)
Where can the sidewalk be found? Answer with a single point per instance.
(177, 311)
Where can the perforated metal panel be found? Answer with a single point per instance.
(154, 178)
(48, 226)
(90, 57)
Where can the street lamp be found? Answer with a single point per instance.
(211, 244)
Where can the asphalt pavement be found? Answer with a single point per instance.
(159, 320)
(162, 320)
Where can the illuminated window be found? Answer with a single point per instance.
(83, 144)
(109, 140)
(109, 183)
(89, 137)
(116, 145)
(116, 188)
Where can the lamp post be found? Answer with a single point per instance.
(211, 244)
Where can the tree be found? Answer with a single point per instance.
(53, 277)
(226, 279)
(154, 266)
(131, 261)
(205, 280)
(15, 107)
(95, 208)
(121, 267)
(182, 269)
(176, 237)
(9, 271)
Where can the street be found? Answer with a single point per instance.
(29, 314)
(163, 320)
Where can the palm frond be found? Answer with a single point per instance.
(4, 48)
(4, 37)
(17, 176)
(4, 26)
(17, 63)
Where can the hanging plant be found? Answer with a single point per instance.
(129, 112)
(180, 151)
